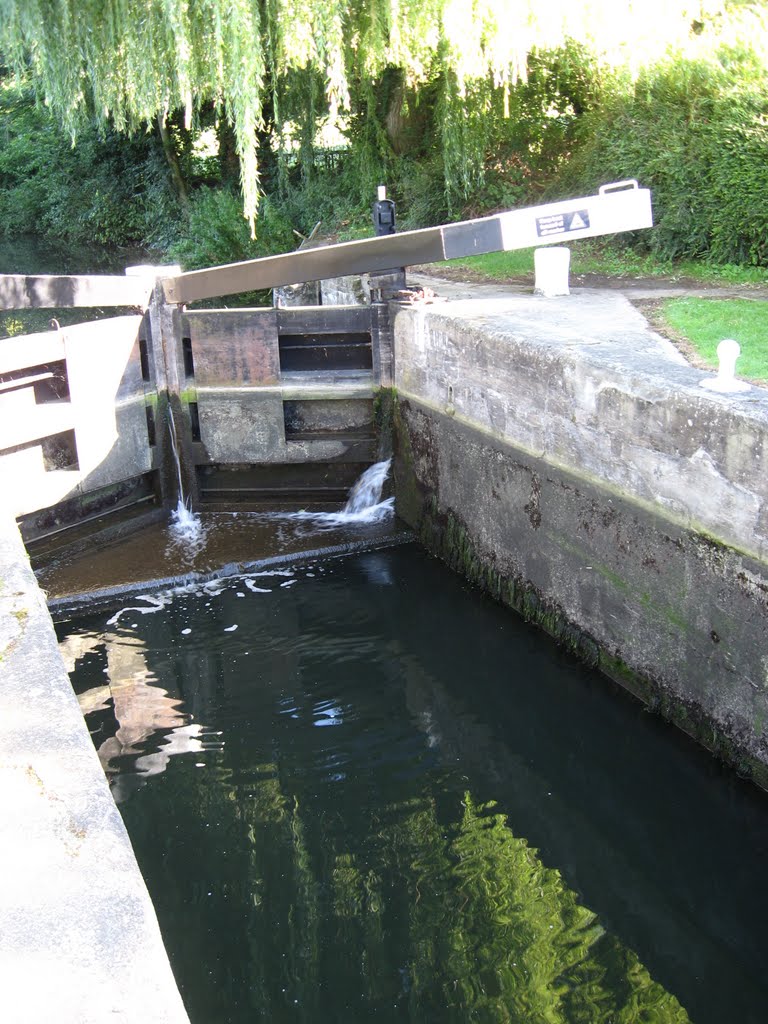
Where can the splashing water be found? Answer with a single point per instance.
(187, 532)
(366, 493)
(364, 504)
(186, 529)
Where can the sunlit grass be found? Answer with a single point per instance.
(704, 323)
(594, 257)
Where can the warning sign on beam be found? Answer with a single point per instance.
(562, 223)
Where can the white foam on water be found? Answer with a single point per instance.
(273, 572)
(257, 590)
(377, 513)
(230, 629)
(156, 603)
(186, 531)
(188, 537)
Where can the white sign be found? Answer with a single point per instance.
(622, 206)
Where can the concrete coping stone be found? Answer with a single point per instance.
(589, 324)
(585, 382)
(81, 943)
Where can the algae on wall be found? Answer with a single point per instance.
(669, 615)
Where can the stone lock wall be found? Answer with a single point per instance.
(564, 457)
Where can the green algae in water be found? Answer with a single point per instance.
(359, 790)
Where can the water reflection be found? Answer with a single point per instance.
(421, 812)
(150, 724)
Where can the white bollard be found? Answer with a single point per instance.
(728, 351)
(552, 265)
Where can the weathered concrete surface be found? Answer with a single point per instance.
(241, 424)
(328, 416)
(583, 382)
(346, 291)
(102, 421)
(247, 425)
(564, 457)
(80, 941)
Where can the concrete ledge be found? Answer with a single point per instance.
(80, 940)
(116, 595)
(583, 383)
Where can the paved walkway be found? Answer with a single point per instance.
(635, 288)
(646, 294)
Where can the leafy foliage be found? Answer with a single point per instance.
(217, 233)
(696, 133)
(133, 64)
(106, 189)
(442, 101)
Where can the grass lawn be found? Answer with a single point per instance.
(704, 323)
(591, 256)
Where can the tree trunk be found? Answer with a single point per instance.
(229, 162)
(172, 159)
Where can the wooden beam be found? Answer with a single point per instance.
(365, 255)
(23, 350)
(60, 291)
(622, 206)
(323, 319)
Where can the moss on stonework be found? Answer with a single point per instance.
(446, 536)
(410, 499)
(384, 409)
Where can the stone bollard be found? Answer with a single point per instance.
(728, 351)
(552, 265)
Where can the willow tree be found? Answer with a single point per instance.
(138, 61)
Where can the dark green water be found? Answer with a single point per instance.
(381, 796)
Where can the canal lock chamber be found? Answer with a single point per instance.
(555, 453)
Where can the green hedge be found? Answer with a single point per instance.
(107, 189)
(696, 134)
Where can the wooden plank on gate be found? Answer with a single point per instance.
(23, 350)
(235, 347)
(324, 320)
(66, 291)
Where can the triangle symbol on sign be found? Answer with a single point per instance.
(577, 222)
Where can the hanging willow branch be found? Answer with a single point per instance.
(136, 61)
